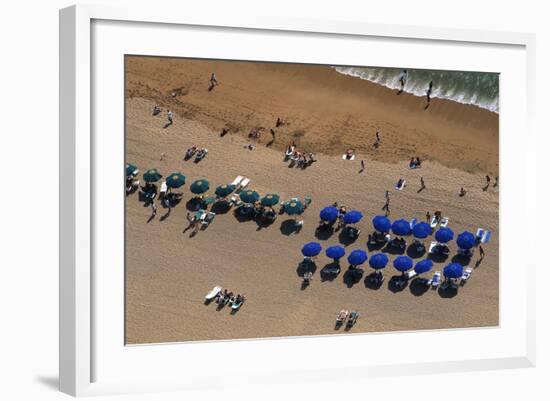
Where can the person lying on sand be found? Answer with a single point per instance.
(462, 192)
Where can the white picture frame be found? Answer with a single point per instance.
(88, 366)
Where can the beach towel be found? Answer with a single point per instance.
(403, 184)
(345, 157)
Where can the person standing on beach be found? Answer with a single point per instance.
(170, 117)
(428, 216)
(403, 79)
(377, 136)
(154, 209)
(429, 92)
(422, 184)
(488, 179)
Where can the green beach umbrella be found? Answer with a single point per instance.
(249, 196)
(175, 180)
(130, 169)
(294, 207)
(152, 175)
(200, 186)
(224, 190)
(270, 200)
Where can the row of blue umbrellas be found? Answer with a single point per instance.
(380, 260)
(401, 227)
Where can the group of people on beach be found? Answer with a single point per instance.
(169, 114)
(194, 151)
(402, 79)
(297, 158)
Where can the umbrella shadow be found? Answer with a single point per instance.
(438, 257)
(419, 286)
(397, 283)
(263, 222)
(394, 250)
(324, 232)
(305, 267)
(345, 239)
(243, 216)
(352, 276)
(376, 246)
(330, 271)
(415, 252)
(461, 259)
(221, 207)
(193, 204)
(374, 281)
(289, 227)
(447, 291)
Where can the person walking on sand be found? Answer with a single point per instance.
(462, 192)
(213, 79)
(154, 209)
(377, 137)
(170, 117)
(422, 183)
(429, 91)
(428, 216)
(488, 179)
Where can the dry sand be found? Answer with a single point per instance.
(168, 272)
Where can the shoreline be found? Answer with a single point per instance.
(346, 115)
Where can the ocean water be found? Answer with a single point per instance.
(477, 88)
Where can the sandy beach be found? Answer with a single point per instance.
(168, 272)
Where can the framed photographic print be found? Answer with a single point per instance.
(272, 192)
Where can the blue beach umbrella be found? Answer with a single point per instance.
(335, 252)
(401, 227)
(175, 180)
(311, 249)
(294, 207)
(357, 257)
(270, 200)
(403, 263)
(444, 235)
(466, 240)
(453, 270)
(200, 186)
(381, 224)
(423, 266)
(378, 261)
(329, 213)
(422, 230)
(353, 217)
(224, 190)
(249, 196)
(152, 175)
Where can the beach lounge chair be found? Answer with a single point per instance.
(436, 280)
(483, 236)
(411, 274)
(348, 157)
(333, 269)
(201, 154)
(444, 222)
(434, 221)
(163, 189)
(244, 183)
(412, 223)
(237, 180)
(466, 275)
(207, 218)
(341, 318)
(213, 293)
(353, 316)
(402, 185)
(237, 303)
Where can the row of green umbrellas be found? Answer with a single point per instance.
(176, 180)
